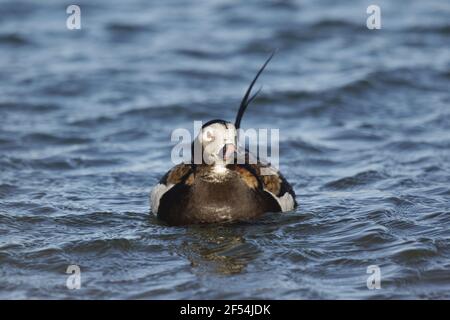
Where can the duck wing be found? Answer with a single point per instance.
(180, 175)
(260, 174)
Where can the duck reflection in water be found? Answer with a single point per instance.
(218, 249)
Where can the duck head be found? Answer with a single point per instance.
(218, 138)
(218, 141)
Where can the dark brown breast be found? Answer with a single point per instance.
(207, 197)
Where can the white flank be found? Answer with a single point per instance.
(286, 201)
(155, 195)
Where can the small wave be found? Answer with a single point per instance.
(399, 202)
(402, 224)
(6, 142)
(441, 29)
(92, 122)
(168, 111)
(410, 145)
(445, 192)
(379, 214)
(355, 135)
(335, 24)
(10, 9)
(339, 99)
(439, 121)
(128, 28)
(58, 162)
(13, 39)
(409, 253)
(376, 235)
(285, 96)
(101, 245)
(299, 144)
(67, 88)
(213, 74)
(302, 33)
(14, 220)
(344, 262)
(6, 219)
(28, 107)
(318, 162)
(7, 190)
(43, 252)
(201, 53)
(47, 138)
(100, 218)
(358, 180)
(441, 216)
(380, 80)
(127, 135)
(127, 33)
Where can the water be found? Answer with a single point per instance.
(86, 118)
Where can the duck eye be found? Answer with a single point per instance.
(208, 136)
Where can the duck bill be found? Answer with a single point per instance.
(229, 151)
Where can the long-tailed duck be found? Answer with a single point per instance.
(218, 188)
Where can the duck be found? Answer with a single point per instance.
(216, 188)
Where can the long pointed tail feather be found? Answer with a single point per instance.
(246, 100)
